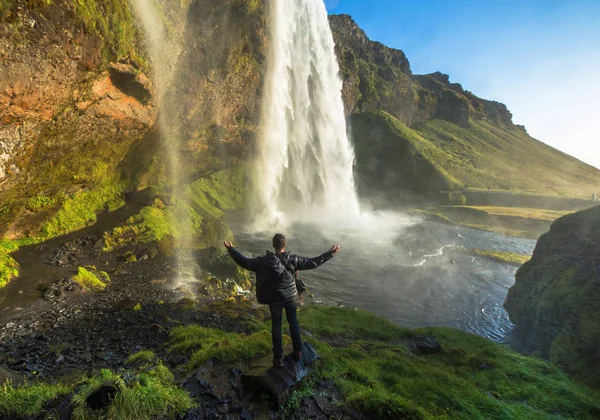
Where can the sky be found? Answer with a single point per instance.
(539, 57)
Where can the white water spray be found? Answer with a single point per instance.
(164, 49)
(304, 172)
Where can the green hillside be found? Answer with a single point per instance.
(437, 155)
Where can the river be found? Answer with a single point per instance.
(414, 274)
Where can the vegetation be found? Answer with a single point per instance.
(90, 281)
(527, 223)
(503, 257)
(471, 378)
(150, 393)
(30, 399)
(149, 225)
(141, 357)
(79, 210)
(208, 343)
(439, 155)
(9, 268)
(536, 214)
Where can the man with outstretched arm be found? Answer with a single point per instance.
(276, 286)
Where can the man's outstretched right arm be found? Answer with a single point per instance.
(252, 264)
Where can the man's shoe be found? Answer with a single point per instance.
(297, 356)
(277, 362)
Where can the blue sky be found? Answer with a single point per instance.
(539, 57)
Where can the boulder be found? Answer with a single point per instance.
(279, 382)
(12, 376)
(427, 345)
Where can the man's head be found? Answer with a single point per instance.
(279, 242)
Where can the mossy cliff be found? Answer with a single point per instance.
(80, 116)
(555, 301)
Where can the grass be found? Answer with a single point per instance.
(9, 269)
(207, 343)
(471, 378)
(148, 394)
(28, 400)
(143, 357)
(526, 223)
(438, 155)
(503, 257)
(90, 281)
(529, 213)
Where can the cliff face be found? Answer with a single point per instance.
(68, 114)
(79, 110)
(379, 78)
(555, 301)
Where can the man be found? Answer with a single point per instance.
(278, 270)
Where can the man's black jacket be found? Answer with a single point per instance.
(280, 270)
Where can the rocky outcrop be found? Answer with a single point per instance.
(377, 77)
(555, 301)
(74, 99)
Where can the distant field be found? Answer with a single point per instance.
(537, 214)
(511, 221)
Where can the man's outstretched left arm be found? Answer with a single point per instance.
(302, 263)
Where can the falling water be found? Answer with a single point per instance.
(164, 49)
(304, 171)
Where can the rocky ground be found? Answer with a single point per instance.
(60, 332)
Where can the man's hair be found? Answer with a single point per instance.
(278, 242)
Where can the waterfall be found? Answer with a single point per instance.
(163, 49)
(305, 166)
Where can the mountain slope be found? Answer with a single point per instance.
(468, 140)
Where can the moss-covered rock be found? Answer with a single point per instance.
(555, 301)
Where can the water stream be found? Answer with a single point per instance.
(164, 47)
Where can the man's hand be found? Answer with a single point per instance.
(334, 249)
(228, 245)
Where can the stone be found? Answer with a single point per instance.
(102, 397)
(12, 376)
(279, 382)
(427, 345)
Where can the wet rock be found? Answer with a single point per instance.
(10, 375)
(427, 345)
(102, 397)
(279, 382)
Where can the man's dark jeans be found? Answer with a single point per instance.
(276, 321)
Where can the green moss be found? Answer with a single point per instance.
(471, 378)
(40, 202)
(79, 210)
(90, 281)
(28, 400)
(112, 21)
(149, 394)
(208, 343)
(9, 269)
(149, 225)
(503, 257)
(137, 307)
